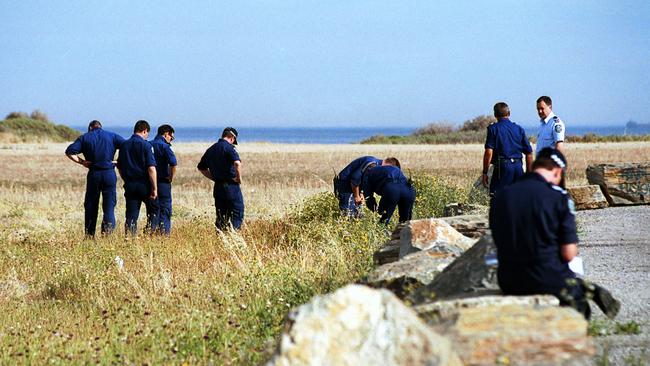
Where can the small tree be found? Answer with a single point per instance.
(436, 128)
(478, 123)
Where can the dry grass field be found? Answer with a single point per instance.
(197, 296)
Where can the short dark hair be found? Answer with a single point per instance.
(392, 161)
(501, 110)
(547, 100)
(141, 126)
(164, 129)
(550, 159)
(94, 124)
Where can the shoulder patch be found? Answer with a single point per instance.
(152, 150)
(559, 189)
(558, 128)
(572, 206)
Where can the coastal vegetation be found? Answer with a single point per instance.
(199, 296)
(473, 131)
(34, 127)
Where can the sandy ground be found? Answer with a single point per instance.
(615, 246)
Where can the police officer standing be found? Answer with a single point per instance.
(505, 143)
(551, 128)
(348, 184)
(137, 168)
(221, 164)
(165, 171)
(388, 181)
(534, 229)
(98, 147)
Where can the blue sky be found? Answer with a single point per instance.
(324, 63)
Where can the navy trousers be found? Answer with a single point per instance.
(100, 182)
(505, 173)
(229, 205)
(164, 208)
(398, 195)
(135, 193)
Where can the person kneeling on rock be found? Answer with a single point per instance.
(534, 229)
(388, 181)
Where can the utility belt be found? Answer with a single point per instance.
(224, 182)
(508, 160)
(93, 168)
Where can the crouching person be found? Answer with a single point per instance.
(388, 181)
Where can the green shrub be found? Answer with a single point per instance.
(33, 130)
(432, 194)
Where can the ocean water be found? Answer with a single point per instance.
(339, 135)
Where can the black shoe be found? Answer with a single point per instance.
(606, 302)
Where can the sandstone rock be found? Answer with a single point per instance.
(466, 276)
(622, 184)
(357, 325)
(457, 209)
(516, 330)
(441, 311)
(587, 197)
(409, 273)
(472, 226)
(432, 234)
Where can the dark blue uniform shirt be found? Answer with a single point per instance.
(134, 159)
(376, 178)
(97, 146)
(530, 219)
(352, 173)
(507, 139)
(219, 160)
(164, 157)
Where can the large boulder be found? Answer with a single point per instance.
(468, 276)
(622, 184)
(357, 325)
(433, 235)
(588, 197)
(409, 273)
(530, 330)
(472, 226)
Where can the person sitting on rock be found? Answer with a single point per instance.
(534, 229)
(388, 181)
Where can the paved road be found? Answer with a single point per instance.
(615, 247)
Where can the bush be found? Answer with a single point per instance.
(437, 128)
(478, 123)
(34, 130)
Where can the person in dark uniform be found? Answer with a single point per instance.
(137, 168)
(388, 181)
(505, 143)
(534, 229)
(165, 171)
(98, 147)
(221, 164)
(348, 189)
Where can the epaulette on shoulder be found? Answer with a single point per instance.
(559, 189)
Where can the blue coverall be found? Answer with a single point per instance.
(508, 142)
(350, 176)
(390, 183)
(165, 159)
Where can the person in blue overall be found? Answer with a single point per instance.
(348, 182)
(137, 167)
(534, 229)
(221, 164)
(98, 147)
(504, 145)
(165, 171)
(388, 181)
(551, 129)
